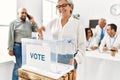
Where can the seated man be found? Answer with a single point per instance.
(100, 30)
(112, 40)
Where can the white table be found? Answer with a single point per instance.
(6, 67)
(100, 66)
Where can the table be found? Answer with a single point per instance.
(6, 67)
(100, 66)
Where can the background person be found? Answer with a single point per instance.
(19, 28)
(100, 31)
(90, 40)
(112, 41)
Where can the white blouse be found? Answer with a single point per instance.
(91, 42)
(71, 30)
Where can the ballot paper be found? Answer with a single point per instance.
(47, 35)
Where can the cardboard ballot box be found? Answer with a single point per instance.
(52, 59)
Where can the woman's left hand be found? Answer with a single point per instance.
(73, 62)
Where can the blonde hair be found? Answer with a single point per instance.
(70, 4)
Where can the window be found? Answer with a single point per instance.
(49, 10)
(3, 40)
(7, 11)
(7, 14)
(93, 23)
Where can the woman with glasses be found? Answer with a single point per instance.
(67, 27)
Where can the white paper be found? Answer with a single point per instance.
(47, 35)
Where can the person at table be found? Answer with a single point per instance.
(100, 30)
(67, 27)
(112, 40)
(90, 40)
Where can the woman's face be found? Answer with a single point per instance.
(89, 33)
(63, 8)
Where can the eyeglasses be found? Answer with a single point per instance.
(63, 5)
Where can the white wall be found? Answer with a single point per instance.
(6, 69)
(95, 9)
(88, 9)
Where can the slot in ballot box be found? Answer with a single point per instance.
(52, 59)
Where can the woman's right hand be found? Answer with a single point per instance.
(40, 31)
(11, 53)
